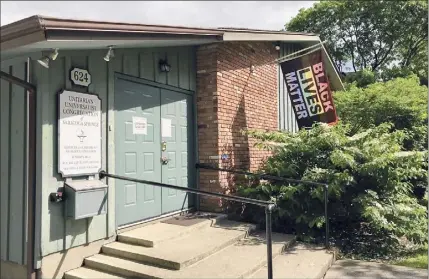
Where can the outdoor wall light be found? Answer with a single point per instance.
(110, 54)
(277, 46)
(252, 69)
(164, 66)
(45, 60)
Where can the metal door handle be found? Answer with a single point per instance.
(165, 160)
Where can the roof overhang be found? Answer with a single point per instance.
(36, 34)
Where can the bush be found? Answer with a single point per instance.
(369, 177)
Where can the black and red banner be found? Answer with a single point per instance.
(308, 88)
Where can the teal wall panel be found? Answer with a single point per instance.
(98, 224)
(147, 65)
(13, 198)
(5, 167)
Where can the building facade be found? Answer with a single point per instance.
(219, 82)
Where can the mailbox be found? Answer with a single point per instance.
(85, 198)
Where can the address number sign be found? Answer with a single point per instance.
(80, 77)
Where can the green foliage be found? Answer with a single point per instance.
(369, 177)
(360, 78)
(370, 34)
(402, 102)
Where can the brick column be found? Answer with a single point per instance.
(236, 90)
(207, 119)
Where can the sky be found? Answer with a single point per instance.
(246, 14)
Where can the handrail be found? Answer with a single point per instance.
(279, 178)
(190, 190)
(262, 176)
(267, 204)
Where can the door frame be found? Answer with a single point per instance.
(194, 147)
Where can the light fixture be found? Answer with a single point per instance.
(54, 54)
(252, 69)
(277, 46)
(110, 54)
(164, 66)
(44, 61)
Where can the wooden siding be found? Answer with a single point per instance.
(13, 196)
(286, 118)
(59, 233)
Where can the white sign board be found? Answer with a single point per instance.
(80, 77)
(79, 133)
(166, 127)
(139, 125)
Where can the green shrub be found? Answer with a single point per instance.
(369, 184)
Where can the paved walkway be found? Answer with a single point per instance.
(347, 269)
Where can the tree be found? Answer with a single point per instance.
(362, 78)
(371, 34)
(402, 102)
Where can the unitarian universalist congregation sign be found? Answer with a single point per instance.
(79, 133)
(308, 88)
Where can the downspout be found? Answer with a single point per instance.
(31, 176)
(30, 164)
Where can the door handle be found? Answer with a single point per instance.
(164, 160)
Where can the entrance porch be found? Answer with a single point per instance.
(202, 245)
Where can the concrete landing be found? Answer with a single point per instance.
(154, 234)
(348, 269)
(185, 250)
(299, 262)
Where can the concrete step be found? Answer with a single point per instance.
(87, 273)
(185, 250)
(154, 234)
(299, 262)
(235, 261)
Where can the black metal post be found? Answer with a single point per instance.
(326, 218)
(268, 211)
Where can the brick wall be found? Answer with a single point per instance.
(236, 90)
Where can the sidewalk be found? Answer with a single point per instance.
(347, 269)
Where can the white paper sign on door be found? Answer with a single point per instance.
(139, 125)
(166, 127)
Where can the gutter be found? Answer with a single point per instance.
(49, 23)
(21, 28)
(38, 29)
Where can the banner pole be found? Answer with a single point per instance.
(279, 60)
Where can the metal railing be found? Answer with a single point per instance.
(268, 207)
(279, 178)
(266, 204)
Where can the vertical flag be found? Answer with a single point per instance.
(308, 88)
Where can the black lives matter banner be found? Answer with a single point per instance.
(308, 88)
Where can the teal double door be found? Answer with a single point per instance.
(153, 142)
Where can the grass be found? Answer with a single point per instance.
(418, 259)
